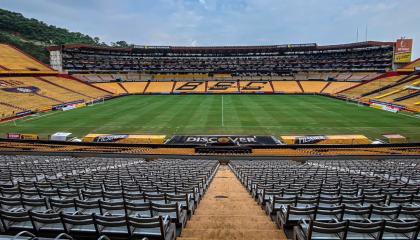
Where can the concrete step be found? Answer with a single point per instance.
(232, 234)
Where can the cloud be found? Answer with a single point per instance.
(229, 22)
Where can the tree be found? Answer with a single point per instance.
(33, 36)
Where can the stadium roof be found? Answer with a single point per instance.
(283, 47)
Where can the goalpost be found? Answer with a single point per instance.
(97, 101)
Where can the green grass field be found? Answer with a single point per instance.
(221, 114)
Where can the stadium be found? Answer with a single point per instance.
(290, 141)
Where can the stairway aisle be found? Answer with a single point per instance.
(228, 211)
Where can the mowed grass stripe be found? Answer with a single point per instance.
(201, 114)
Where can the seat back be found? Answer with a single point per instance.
(10, 219)
(46, 221)
(71, 220)
(36, 204)
(373, 228)
(334, 211)
(339, 228)
(146, 223)
(410, 229)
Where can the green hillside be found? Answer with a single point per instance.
(33, 36)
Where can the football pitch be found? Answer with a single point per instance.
(221, 114)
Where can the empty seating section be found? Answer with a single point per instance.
(160, 87)
(346, 76)
(79, 87)
(225, 62)
(40, 93)
(135, 87)
(336, 87)
(14, 61)
(255, 86)
(48, 90)
(412, 103)
(7, 110)
(190, 87)
(180, 77)
(222, 87)
(413, 65)
(24, 100)
(98, 78)
(89, 197)
(89, 77)
(393, 93)
(401, 90)
(363, 88)
(343, 76)
(228, 86)
(312, 86)
(115, 88)
(286, 87)
(300, 76)
(337, 199)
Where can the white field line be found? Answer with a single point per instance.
(223, 114)
(412, 116)
(41, 116)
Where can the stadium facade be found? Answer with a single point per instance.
(274, 60)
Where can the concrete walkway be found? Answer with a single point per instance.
(228, 211)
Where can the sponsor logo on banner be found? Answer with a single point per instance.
(309, 139)
(69, 107)
(23, 113)
(110, 138)
(403, 50)
(386, 106)
(30, 89)
(224, 140)
(13, 136)
(390, 109)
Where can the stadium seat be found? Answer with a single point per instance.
(159, 87)
(15, 61)
(333, 230)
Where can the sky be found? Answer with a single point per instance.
(230, 22)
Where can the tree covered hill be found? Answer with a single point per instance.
(33, 36)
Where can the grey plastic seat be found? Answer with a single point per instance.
(401, 230)
(112, 207)
(111, 226)
(47, 223)
(320, 230)
(384, 213)
(16, 221)
(328, 213)
(357, 213)
(288, 215)
(79, 224)
(62, 205)
(134, 209)
(365, 230)
(159, 228)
